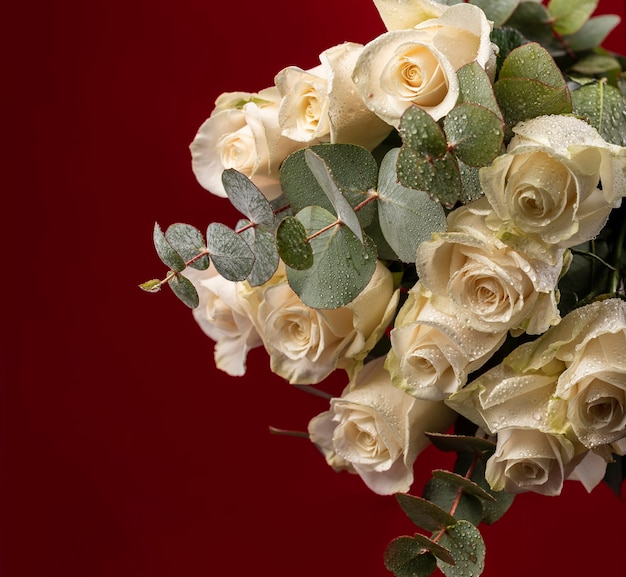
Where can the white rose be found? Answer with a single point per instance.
(418, 67)
(530, 460)
(433, 351)
(496, 287)
(242, 133)
(306, 344)
(322, 104)
(225, 314)
(377, 431)
(401, 14)
(546, 187)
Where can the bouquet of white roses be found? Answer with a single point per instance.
(438, 213)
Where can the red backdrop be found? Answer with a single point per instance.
(123, 451)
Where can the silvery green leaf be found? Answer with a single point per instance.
(354, 171)
(507, 39)
(471, 188)
(324, 178)
(569, 16)
(476, 88)
(596, 64)
(444, 494)
(407, 557)
(424, 513)
(263, 246)
(169, 257)
(474, 133)
(605, 108)
(188, 241)
(342, 264)
(497, 11)
(422, 134)
(467, 547)
(181, 286)
(462, 483)
(593, 33)
(407, 217)
(293, 246)
(247, 198)
(230, 254)
(532, 20)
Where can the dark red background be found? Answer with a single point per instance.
(124, 453)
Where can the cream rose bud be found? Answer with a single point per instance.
(530, 460)
(322, 104)
(545, 189)
(306, 344)
(225, 314)
(432, 350)
(495, 287)
(242, 133)
(402, 68)
(377, 431)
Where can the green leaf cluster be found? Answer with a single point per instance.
(453, 504)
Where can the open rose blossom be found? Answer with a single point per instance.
(432, 350)
(306, 344)
(417, 66)
(495, 287)
(556, 184)
(243, 133)
(377, 431)
(322, 104)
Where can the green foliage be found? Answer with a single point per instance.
(406, 557)
(467, 547)
(498, 11)
(293, 245)
(166, 252)
(424, 513)
(184, 290)
(230, 254)
(569, 16)
(263, 245)
(605, 108)
(247, 198)
(189, 243)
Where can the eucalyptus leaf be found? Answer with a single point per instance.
(466, 544)
(263, 246)
(605, 108)
(596, 64)
(293, 246)
(407, 217)
(188, 242)
(230, 254)
(593, 33)
(476, 88)
(498, 11)
(342, 264)
(532, 20)
(463, 483)
(435, 548)
(507, 39)
(183, 288)
(425, 514)
(461, 443)
(471, 188)
(474, 133)
(422, 134)
(405, 557)
(169, 257)
(247, 198)
(569, 16)
(445, 495)
(353, 168)
(324, 178)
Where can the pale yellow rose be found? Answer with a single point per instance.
(432, 350)
(402, 68)
(242, 133)
(496, 287)
(225, 314)
(322, 105)
(402, 14)
(377, 431)
(306, 344)
(546, 189)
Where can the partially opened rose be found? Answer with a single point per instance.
(496, 287)
(322, 104)
(377, 431)
(433, 350)
(417, 66)
(242, 133)
(402, 14)
(556, 184)
(306, 344)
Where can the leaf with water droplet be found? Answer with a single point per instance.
(463, 483)
(532, 21)
(569, 16)
(476, 88)
(407, 217)
(247, 198)
(445, 495)
(468, 549)
(169, 257)
(406, 557)
(263, 246)
(605, 108)
(230, 253)
(342, 264)
(183, 288)
(424, 513)
(422, 134)
(188, 242)
(293, 246)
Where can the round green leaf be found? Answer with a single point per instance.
(263, 246)
(468, 549)
(593, 33)
(605, 108)
(405, 557)
(463, 483)
(247, 198)
(476, 88)
(169, 257)
(568, 16)
(445, 495)
(474, 133)
(293, 246)
(422, 134)
(230, 254)
(342, 264)
(425, 514)
(497, 11)
(188, 241)
(181, 286)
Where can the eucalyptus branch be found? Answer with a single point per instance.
(286, 433)
(618, 252)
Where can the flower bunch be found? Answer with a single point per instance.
(438, 213)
